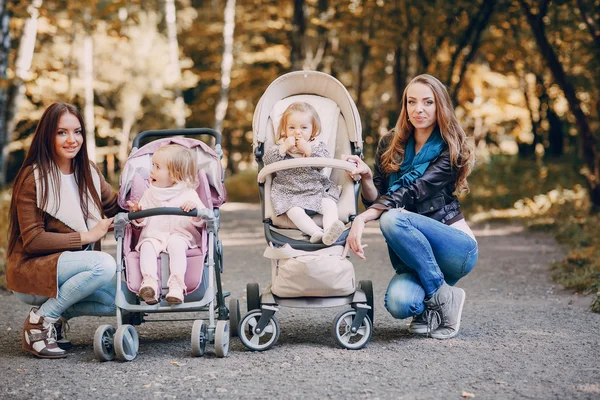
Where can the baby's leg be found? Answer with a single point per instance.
(305, 223)
(149, 269)
(177, 260)
(329, 212)
(148, 263)
(177, 266)
(332, 226)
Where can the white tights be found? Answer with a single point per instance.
(176, 248)
(306, 224)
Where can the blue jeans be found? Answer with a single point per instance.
(425, 253)
(86, 285)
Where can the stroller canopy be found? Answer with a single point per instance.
(306, 82)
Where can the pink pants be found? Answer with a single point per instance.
(176, 248)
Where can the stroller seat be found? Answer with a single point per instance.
(334, 133)
(204, 263)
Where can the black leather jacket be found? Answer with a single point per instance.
(430, 195)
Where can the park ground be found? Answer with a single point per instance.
(522, 336)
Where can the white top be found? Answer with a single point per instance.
(71, 185)
(461, 224)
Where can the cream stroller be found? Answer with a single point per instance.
(204, 264)
(341, 132)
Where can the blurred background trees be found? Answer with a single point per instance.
(524, 74)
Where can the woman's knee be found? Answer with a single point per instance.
(105, 266)
(404, 297)
(392, 221)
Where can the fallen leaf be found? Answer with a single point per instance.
(148, 385)
(176, 363)
(468, 395)
(19, 370)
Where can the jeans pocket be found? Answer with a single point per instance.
(470, 261)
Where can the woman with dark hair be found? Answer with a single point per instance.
(420, 166)
(58, 208)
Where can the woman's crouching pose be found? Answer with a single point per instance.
(420, 166)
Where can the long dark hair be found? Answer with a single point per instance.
(42, 154)
(461, 153)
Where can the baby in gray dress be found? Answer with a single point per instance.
(305, 188)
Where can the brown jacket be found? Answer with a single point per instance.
(32, 265)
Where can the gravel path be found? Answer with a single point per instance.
(521, 337)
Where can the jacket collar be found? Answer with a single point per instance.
(63, 208)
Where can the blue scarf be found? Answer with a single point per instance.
(413, 165)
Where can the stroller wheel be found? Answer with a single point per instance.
(344, 336)
(104, 349)
(127, 343)
(258, 341)
(252, 296)
(222, 338)
(199, 338)
(234, 316)
(367, 287)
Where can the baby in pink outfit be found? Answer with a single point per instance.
(173, 179)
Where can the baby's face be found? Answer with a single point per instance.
(159, 174)
(299, 125)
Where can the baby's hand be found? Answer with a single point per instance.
(134, 207)
(289, 142)
(304, 147)
(188, 206)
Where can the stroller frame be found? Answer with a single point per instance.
(124, 342)
(259, 329)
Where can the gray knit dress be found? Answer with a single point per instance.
(303, 187)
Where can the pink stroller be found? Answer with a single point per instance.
(205, 263)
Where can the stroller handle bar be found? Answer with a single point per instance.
(177, 132)
(204, 213)
(304, 162)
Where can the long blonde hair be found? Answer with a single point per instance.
(461, 152)
(181, 164)
(299, 107)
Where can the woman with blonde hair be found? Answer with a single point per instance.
(420, 167)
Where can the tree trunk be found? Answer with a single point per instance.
(556, 135)
(88, 79)
(590, 23)
(400, 73)
(171, 17)
(4, 50)
(486, 15)
(297, 36)
(588, 143)
(22, 66)
(527, 150)
(226, 67)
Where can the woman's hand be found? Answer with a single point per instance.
(354, 238)
(304, 147)
(188, 206)
(356, 231)
(97, 232)
(361, 171)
